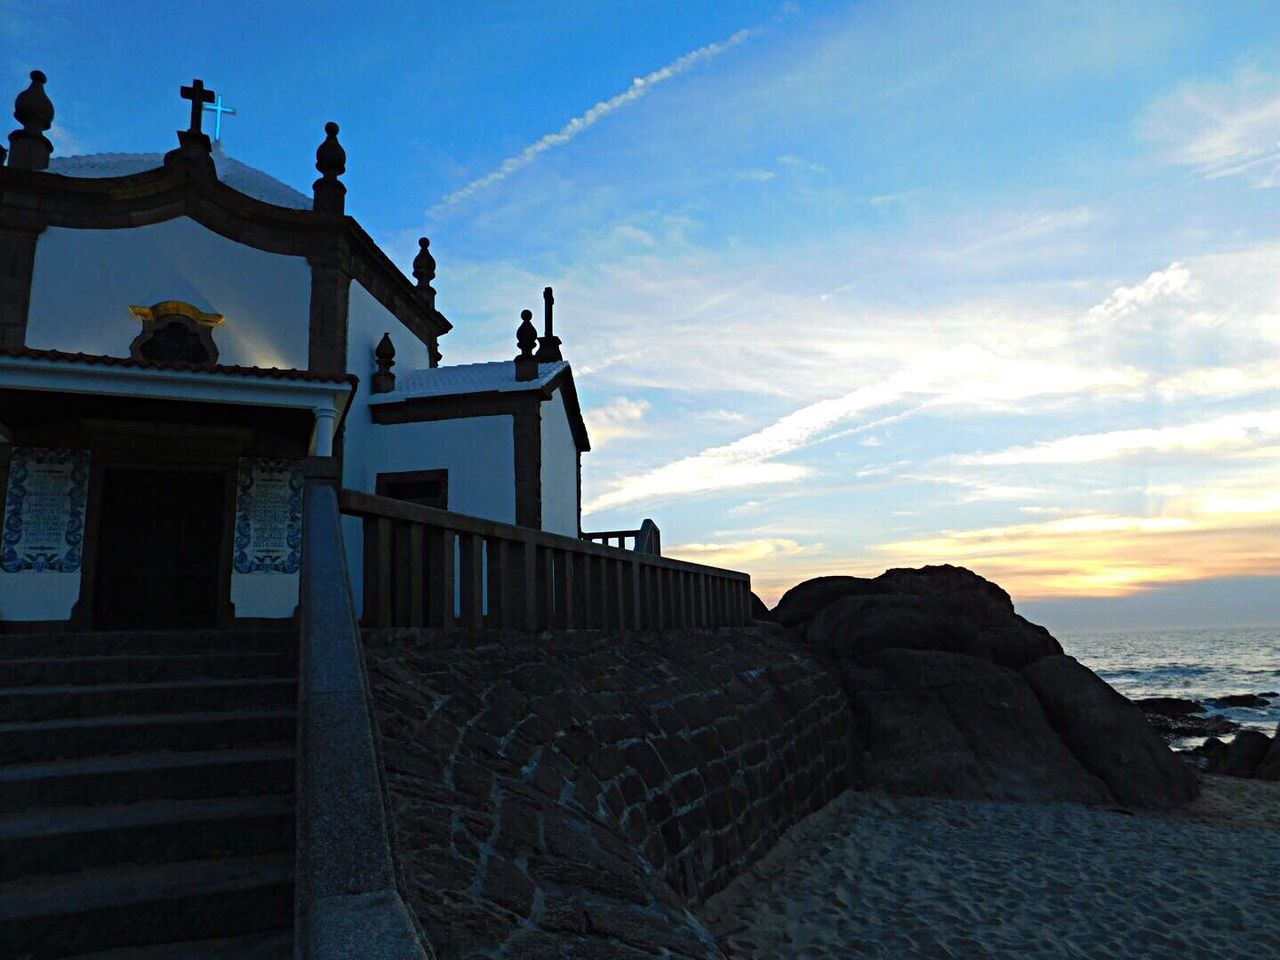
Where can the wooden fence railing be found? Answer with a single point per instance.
(646, 539)
(433, 568)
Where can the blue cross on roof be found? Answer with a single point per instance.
(217, 109)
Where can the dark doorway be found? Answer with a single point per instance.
(159, 548)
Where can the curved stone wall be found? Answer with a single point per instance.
(582, 793)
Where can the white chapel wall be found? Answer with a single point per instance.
(367, 321)
(42, 595)
(559, 469)
(86, 280)
(478, 452)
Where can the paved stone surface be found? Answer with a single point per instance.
(579, 795)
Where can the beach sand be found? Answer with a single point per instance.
(902, 877)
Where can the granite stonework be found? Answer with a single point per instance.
(576, 795)
(584, 795)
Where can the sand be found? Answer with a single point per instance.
(903, 877)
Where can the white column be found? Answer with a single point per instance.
(325, 417)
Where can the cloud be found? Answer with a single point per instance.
(966, 375)
(639, 88)
(620, 417)
(1111, 555)
(738, 554)
(1232, 432)
(757, 176)
(1222, 129)
(1221, 381)
(1174, 281)
(65, 143)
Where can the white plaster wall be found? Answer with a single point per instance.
(367, 321)
(478, 452)
(264, 594)
(29, 595)
(86, 280)
(559, 469)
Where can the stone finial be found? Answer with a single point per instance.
(424, 271)
(526, 337)
(384, 354)
(548, 345)
(328, 192)
(29, 148)
(424, 264)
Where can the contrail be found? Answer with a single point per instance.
(639, 87)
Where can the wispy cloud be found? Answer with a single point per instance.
(741, 553)
(1222, 129)
(1237, 431)
(966, 375)
(620, 417)
(640, 87)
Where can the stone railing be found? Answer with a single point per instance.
(347, 897)
(647, 539)
(427, 567)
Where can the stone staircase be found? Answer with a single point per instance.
(147, 795)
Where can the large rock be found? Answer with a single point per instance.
(758, 610)
(935, 608)
(1109, 735)
(1242, 700)
(1169, 706)
(1243, 755)
(1175, 717)
(806, 600)
(946, 724)
(1269, 769)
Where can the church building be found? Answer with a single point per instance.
(184, 339)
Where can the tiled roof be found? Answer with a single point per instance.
(93, 359)
(498, 376)
(239, 176)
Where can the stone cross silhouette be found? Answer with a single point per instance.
(198, 96)
(218, 110)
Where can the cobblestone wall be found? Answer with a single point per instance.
(578, 795)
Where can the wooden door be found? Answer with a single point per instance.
(158, 549)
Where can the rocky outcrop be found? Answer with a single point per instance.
(806, 600)
(1242, 757)
(945, 724)
(1168, 706)
(758, 609)
(1241, 700)
(1176, 717)
(941, 607)
(926, 719)
(1109, 735)
(1269, 768)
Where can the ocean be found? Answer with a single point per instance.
(1196, 664)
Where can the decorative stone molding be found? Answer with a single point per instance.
(29, 148)
(331, 160)
(384, 355)
(173, 330)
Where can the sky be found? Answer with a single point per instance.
(845, 286)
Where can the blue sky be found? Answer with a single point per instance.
(845, 286)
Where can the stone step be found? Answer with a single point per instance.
(22, 646)
(146, 668)
(60, 916)
(104, 781)
(70, 700)
(272, 945)
(78, 838)
(36, 740)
